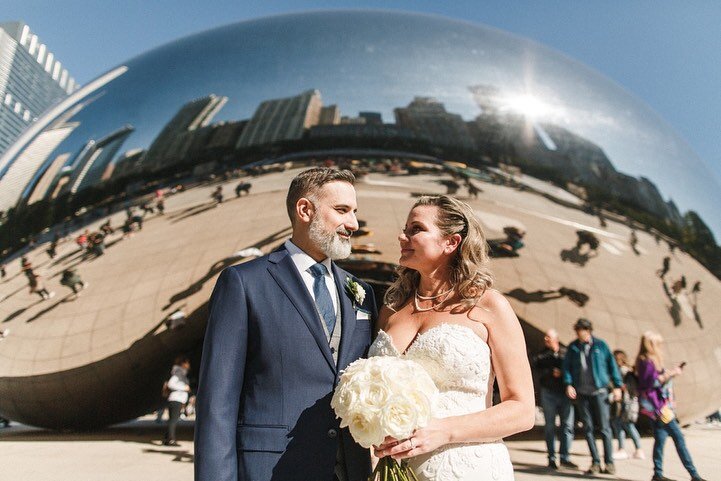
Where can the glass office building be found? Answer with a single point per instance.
(31, 80)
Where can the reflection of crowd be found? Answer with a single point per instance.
(510, 245)
(609, 394)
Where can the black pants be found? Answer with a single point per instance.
(174, 408)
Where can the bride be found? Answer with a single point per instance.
(442, 313)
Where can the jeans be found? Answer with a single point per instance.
(621, 427)
(598, 405)
(662, 431)
(557, 404)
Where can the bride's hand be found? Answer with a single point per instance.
(424, 440)
(388, 443)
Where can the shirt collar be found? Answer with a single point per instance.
(303, 261)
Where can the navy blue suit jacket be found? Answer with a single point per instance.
(267, 376)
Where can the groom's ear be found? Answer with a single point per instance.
(304, 210)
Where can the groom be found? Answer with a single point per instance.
(281, 328)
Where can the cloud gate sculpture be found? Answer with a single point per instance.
(155, 176)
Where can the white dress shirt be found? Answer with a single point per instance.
(303, 262)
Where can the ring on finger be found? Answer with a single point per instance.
(413, 445)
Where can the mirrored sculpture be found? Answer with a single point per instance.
(125, 201)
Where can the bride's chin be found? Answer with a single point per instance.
(404, 263)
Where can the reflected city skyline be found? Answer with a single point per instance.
(147, 182)
(430, 57)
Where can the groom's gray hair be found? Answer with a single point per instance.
(308, 182)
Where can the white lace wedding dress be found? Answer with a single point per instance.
(460, 364)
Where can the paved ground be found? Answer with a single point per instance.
(132, 451)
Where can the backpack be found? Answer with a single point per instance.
(631, 407)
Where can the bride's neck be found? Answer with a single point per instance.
(430, 285)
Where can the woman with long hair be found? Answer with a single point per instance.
(654, 386)
(443, 313)
(624, 411)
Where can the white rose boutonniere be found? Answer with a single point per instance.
(355, 290)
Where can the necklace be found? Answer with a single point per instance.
(433, 297)
(416, 297)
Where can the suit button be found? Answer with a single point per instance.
(332, 433)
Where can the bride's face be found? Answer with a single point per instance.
(423, 245)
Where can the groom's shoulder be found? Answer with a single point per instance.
(346, 274)
(251, 267)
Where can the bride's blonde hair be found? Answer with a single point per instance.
(470, 275)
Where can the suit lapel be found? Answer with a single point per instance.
(347, 314)
(288, 278)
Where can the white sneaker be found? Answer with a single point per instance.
(639, 454)
(620, 454)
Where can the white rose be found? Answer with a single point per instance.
(344, 401)
(374, 397)
(399, 418)
(423, 406)
(366, 431)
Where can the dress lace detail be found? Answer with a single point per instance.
(459, 362)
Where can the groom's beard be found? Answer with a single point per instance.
(330, 243)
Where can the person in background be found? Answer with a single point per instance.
(624, 411)
(37, 286)
(588, 369)
(654, 387)
(179, 393)
(70, 278)
(549, 364)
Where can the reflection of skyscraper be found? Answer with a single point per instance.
(193, 115)
(128, 163)
(486, 97)
(429, 119)
(89, 168)
(282, 119)
(329, 115)
(31, 80)
(372, 118)
(25, 167)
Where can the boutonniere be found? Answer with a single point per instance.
(355, 290)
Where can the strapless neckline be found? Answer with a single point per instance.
(421, 335)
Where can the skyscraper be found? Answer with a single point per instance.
(282, 119)
(429, 119)
(191, 116)
(31, 80)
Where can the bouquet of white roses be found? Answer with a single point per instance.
(384, 396)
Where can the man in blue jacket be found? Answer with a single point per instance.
(588, 369)
(281, 328)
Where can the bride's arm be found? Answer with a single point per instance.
(516, 411)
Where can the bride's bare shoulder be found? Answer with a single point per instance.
(492, 305)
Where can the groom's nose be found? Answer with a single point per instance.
(351, 222)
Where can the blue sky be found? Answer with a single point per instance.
(666, 53)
